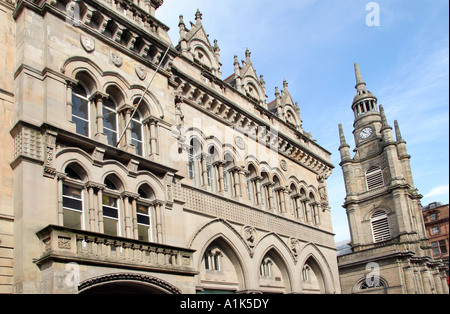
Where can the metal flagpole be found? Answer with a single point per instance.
(146, 90)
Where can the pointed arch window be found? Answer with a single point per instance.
(380, 227)
(374, 178)
(80, 109)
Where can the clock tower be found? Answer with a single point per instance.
(383, 206)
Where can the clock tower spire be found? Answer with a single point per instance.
(383, 206)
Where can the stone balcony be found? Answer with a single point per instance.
(95, 249)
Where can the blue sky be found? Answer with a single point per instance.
(313, 44)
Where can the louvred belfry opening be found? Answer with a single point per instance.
(380, 227)
(374, 178)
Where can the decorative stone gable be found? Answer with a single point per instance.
(195, 46)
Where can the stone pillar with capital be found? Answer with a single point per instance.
(98, 98)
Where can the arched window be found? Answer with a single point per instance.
(144, 215)
(111, 121)
(380, 227)
(137, 131)
(80, 109)
(73, 199)
(374, 178)
(251, 184)
(110, 208)
(210, 169)
(228, 177)
(195, 150)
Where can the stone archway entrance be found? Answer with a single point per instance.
(127, 284)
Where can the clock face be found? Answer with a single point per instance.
(366, 133)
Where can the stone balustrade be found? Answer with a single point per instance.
(84, 247)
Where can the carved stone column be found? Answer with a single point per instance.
(98, 98)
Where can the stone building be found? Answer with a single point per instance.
(436, 220)
(130, 164)
(390, 251)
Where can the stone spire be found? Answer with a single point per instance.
(360, 84)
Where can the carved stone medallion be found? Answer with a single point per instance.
(141, 72)
(87, 42)
(115, 59)
(240, 142)
(283, 165)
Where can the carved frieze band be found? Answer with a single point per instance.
(206, 204)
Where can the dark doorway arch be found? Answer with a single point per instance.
(127, 284)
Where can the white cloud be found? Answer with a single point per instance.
(438, 191)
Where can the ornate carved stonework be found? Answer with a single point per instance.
(141, 72)
(115, 59)
(87, 43)
(249, 235)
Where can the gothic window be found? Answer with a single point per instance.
(111, 121)
(80, 109)
(110, 207)
(137, 138)
(380, 227)
(374, 178)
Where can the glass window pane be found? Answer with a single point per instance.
(143, 220)
(80, 107)
(72, 219)
(72, 192)
(141, 209)
(71, 203)
(139, 147)
(143, 233)
(109, 119)
(82, 127)
(110, 226)
(136, 130)
(110, 212)
(111, 136)
(109, 201)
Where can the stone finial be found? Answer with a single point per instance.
(198, 16)
(384, 122)
(398, 133)
(342, 137)
(247, 55)
(285, 85)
